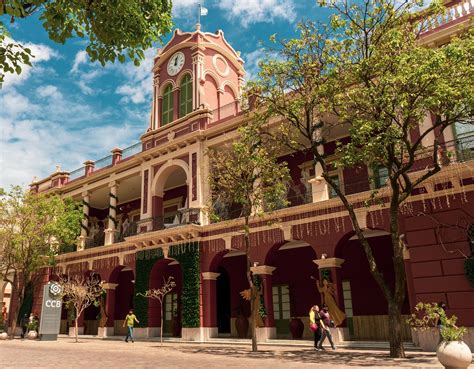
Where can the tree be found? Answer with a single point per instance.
(33, 228)
(114, 30)
(159, 294)
(368, 70)
(246, 173)
(80, 292)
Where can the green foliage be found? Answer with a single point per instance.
(116, 29)
(145, 260)
(257, 280)
(27, 304)
(430, 315)
(246, 172)
(469, 270)
(12, 55)
(188, 257)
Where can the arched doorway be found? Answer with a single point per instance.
(124, 294)
(171, 320)
(91, 313)
(365, 305)
(223, 302)
(293, 288)
(170, 200)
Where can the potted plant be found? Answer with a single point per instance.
(241, 323)
(296, 328)
(33, 329)
(452, 352)
(3, 330)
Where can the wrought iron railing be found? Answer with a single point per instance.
(102, 163)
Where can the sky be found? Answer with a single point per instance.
(66, 109)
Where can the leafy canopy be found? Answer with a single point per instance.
(114, 29)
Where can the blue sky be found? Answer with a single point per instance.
(65, 109)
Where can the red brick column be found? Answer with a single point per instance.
(209, 303)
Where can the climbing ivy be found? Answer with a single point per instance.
(188, 256)
(469, 270)
(257, 280)
(145, 260)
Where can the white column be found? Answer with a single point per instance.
(319, 187)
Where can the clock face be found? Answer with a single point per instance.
(175, 63)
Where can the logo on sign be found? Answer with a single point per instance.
(55, 289)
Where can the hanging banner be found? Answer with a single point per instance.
(50, 320)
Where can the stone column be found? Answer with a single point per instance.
(209, 304)
(108, 330)
(269, 331)
(319, 187)
(85, 222)
(110, 231)
(340, 333)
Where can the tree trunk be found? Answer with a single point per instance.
(20, 293)
(253, 320)
(76, 325)
(395, 324)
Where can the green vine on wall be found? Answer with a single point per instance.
(145, 260)
(257, 280)
(469, 270)
(188, 256)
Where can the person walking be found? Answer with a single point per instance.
(130, 320)
(325, 332)
(316, 324)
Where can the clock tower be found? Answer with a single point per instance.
(195, 70)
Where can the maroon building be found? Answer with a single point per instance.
(145, 219)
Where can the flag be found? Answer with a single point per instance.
(203, 11)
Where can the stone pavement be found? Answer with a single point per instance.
(65, 354)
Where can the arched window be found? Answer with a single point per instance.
(186, 96)
(167, 106)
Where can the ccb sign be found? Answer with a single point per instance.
(50, 321)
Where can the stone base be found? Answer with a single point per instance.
(141, 332)
(339, 335)
(198, 334)
(105, 332)
(72, 331)
(429, 339)
(266, 333)
(154, 332)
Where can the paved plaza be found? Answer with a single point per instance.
(117, 354)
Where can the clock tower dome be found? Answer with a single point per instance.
(195, 70)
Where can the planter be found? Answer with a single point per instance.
(242, 326)
(296, 328)
(454, 354)
(32, 335)
(3, 336)
(176, 327)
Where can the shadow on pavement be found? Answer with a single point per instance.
(368, 359)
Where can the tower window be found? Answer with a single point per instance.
(186, 96)
(167, 106)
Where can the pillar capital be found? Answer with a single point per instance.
(328, 263)
(210, 276)
(113, 184)
(262, 270)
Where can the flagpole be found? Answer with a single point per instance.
(199, 13)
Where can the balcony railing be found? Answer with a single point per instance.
(132, 150)
(454, 12)
(180, 218)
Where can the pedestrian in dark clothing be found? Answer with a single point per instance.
(24, 325)
(325, 332)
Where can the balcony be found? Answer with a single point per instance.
(180, 218)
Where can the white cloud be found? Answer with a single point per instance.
(138, 83)
(186, 8)
(41, 53)
(253, 11)
(80, 58)
(251, 63)
(35, 136)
